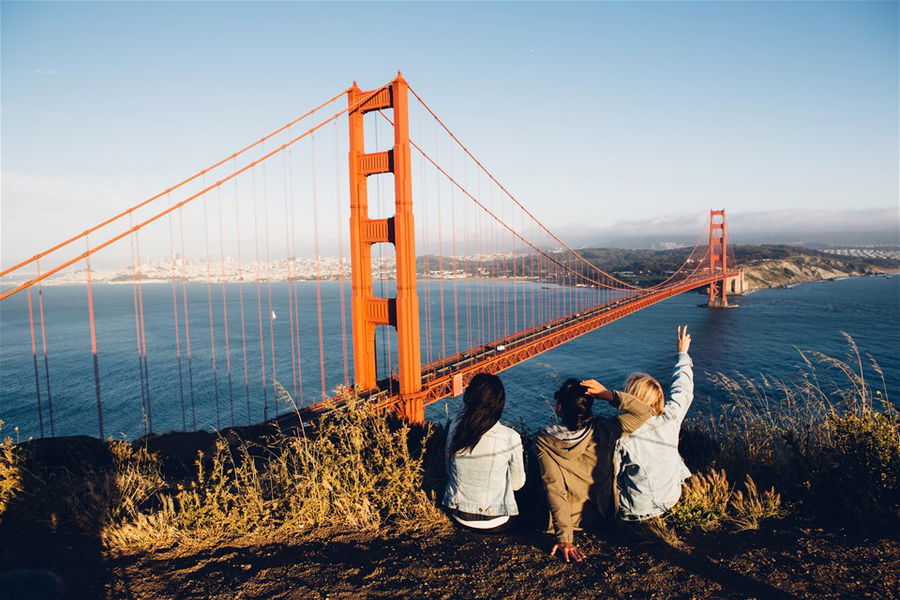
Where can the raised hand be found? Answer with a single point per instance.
(684, 338)
(568, 551)
(597, 389)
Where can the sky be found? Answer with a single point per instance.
(598, 116)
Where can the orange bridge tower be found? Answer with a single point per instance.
(718, 259)
(369, 311)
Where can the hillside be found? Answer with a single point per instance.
(801, 268)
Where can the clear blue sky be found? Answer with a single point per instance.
(591, 113)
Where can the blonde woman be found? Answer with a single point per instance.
(650, 469)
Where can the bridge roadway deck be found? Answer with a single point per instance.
(503, 353)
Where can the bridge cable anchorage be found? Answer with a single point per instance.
(171, 189)
(161, 214)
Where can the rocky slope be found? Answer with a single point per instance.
(800, 269)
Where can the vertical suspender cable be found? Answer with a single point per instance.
(146, 366)
(175, 319)
(262, 343)
(315, 198)
(340, 236)
(295, 308)
(272, 315)
(440, 243)
(145, 420)
(289, 253)
(224, 286)
(237, 221)
(46, 359)
(212, 325)
(187, 323)
(93, 328)
(37, 377)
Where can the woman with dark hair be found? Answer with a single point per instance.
(576, 458)
(484, 460)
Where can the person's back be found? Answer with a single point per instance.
(575, 457)
(650, 469)
(484, 460)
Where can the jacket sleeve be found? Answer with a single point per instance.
(557, 497)
(634, 415)
(516, 463)
(681, 392)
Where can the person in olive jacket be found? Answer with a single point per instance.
(576, 458)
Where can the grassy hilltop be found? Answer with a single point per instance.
(801, 502)
(764, 266)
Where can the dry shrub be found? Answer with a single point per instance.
(703, 504)
(750, 507)
(659, 528)
(10, 471)
(360, 471)
(860, 463)
(709, 502)
(116, 495)
(829, 439)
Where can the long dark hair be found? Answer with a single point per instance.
(483, 404)
(575, 406)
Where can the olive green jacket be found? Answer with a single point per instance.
(577, 470)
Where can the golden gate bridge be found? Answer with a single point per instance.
(414, 191)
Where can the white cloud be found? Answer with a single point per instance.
(774, 226)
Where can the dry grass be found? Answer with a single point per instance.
(709, 502)
(10, 471)
(359, 471)
(750, 507)
(829, 438)
(703, 504)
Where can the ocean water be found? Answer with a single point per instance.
(762, 337)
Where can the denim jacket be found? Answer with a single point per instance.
(482, 481)
(650, 469)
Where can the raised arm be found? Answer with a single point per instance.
(681, 392)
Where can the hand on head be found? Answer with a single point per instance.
(684, 338)
(593, 387)
(597, 390)
(568, 551)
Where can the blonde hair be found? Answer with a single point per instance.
(647, 390)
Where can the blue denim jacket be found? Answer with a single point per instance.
(650, 469)
(482, 481)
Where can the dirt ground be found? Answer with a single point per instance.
(782, 561)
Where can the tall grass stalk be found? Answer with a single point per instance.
(825, 438)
